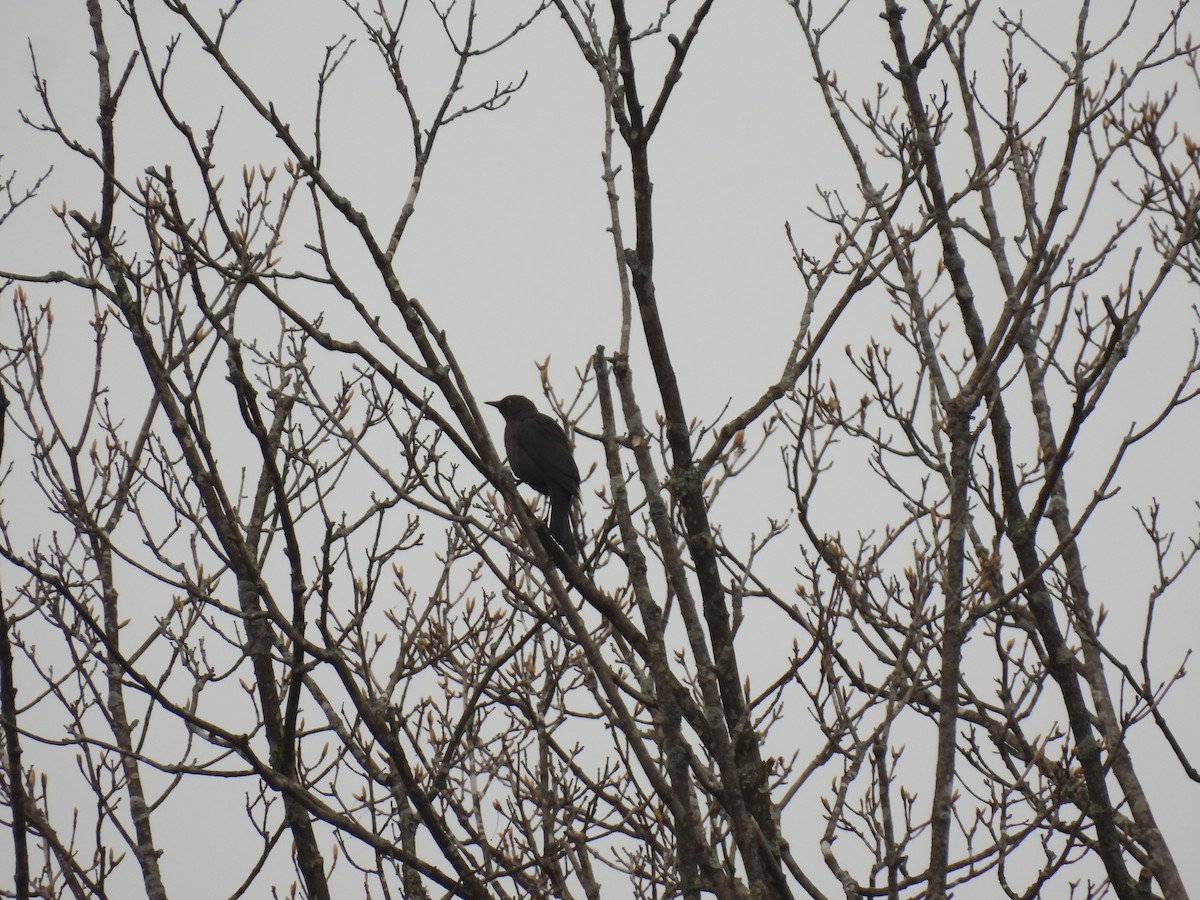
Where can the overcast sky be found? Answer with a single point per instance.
(509, 250)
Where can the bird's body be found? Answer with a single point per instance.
(540, 456)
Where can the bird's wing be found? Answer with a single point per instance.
(544, 442)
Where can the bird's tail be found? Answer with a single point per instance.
(560, 522)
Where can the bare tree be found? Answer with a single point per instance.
(285, 585)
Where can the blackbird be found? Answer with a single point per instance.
(540, 456)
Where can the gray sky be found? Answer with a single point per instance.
(508, 249)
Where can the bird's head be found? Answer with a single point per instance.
(514, 406)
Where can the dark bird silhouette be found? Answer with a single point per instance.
(539, 455)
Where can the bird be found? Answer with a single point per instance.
(540, 456)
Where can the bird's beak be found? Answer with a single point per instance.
(495, 403)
